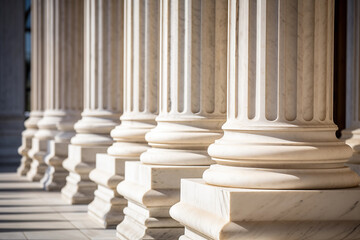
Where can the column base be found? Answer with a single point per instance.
(55, 176)
(355, 167)
(37, 153)
(24, 167)
(107, 207)
(211, 212)
(79, 189)
(23, 150)
(52, 180)
(131, 229)
(151, 190)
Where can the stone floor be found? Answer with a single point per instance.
(28, 212)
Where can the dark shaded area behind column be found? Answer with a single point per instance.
(340, 65)
(12, 80)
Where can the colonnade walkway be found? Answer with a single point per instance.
(28, 212)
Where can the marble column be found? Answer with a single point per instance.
(102, 97)
(141, 33)
(280, 170)
(65, 44)
(352, 131)
(37, 83)
(56, 95)
(192, 109)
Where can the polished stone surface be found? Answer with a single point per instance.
(28, 212)
(214, 212)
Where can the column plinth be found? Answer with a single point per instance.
(192, 108)
(102, 99)
(279, 156)
(211, 212)
(47, 131)
(140, 109)
(27, 136)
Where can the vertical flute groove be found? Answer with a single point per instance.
(64, 30)
(104, 46)
(140, 67)
(276, 83)
(38, 41)
(189, 57)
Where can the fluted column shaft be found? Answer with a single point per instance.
(63, 76)
(64, 64)
(279, 156)
(37, 83)
(352, 132)
(103, 73)
(140, 79)
(192, 82)
(280, 132)
(103, 89)
(192, 108)
(141, 31)
(65, 28)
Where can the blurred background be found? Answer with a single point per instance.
(15, 55)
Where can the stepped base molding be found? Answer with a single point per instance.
(25, 165)
(151, 190)
(55, 176)
(37, 153)
(354, 167)
(211, 212)
(79, 189)
(107, 207)
(25, 162)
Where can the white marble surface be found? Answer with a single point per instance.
(103, 95)
(279, 132)
(55, 176)
(79, 189)
(107, 206)
(37, 153)
(192, 96)
(233, 213)
(64, 27)
(151, 190)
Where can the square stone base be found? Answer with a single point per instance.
(211, 212)
(55, 176)
(107, 207)
(354, 167)
(79, 189)
(151, 190)
(23, 150)
(37, 153)
(24, 167)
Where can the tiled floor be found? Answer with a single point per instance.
(28, 212)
